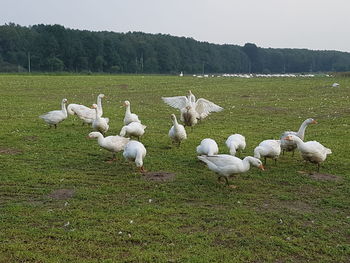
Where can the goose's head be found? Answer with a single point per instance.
(94, 106)
(102, 96)
(290, 138)
(139, 163)
(311, 121)
(173, 117)
(257, 163)
(93, 135)
(64, 100)
(126, 103)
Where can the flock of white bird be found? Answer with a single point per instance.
(191, 111)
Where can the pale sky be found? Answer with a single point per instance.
(312, 24)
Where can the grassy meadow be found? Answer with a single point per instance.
(109, 212)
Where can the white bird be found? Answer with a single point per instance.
(99, 123)
(311, 151)
(177, 132)
(133, 129)
(291, 145)
(192, 110)
(86, 114)
(235, 142)
(268, 149)
(225, 165)
(56, 116)
(113, 144)
(129, 117)
(335, 85)
(207, 147)
(135, 151)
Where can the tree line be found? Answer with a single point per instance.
(54, 48)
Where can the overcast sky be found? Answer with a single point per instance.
(312, 24)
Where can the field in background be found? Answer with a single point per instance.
(110, 212)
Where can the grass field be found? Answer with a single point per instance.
(111, 213)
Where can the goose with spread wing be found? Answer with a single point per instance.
(191, 109)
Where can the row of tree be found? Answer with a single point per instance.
(49, 48)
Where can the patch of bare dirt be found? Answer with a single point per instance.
(297, 206)
(10, 151)
(123, 86)
(62, 194)
(321, 176)
(159, 176)
(325, 177)
(31, 138)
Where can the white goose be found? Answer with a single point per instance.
(56, 116)
(135, 151)
(291, 145)
(225, 165)
(113, 144)
(268, 149)
(177, 132)
(133, 129)
(192, 110)
(129, 117)
(235, 142)
(86, 114)
(311, 151)
(99, 124)
(207, 147)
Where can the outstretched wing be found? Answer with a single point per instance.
(204, 107)
(178, 102)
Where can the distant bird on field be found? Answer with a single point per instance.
(207, 147)
(99, 123)
(235, 142)
(335, 85)
(226, 165)
(129, 117)
(268, 149)
(56, 116)
(191, 109)
(135, 151)
(135, 129)
(86, 114)
(311, 151)
(113, 144)
(289, 145)
(177, 132)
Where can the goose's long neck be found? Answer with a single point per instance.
(99, 104)
(298, 141)
(176, 124)
(301, 131)
(127, 111)
(64, 109)
(246, 164)
(98, 114)
(257, 152)
(138, 159)
(100, 139)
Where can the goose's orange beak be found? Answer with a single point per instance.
(314, 122)
(261, 167)
(288, 138)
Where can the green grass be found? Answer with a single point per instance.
(278, 215)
